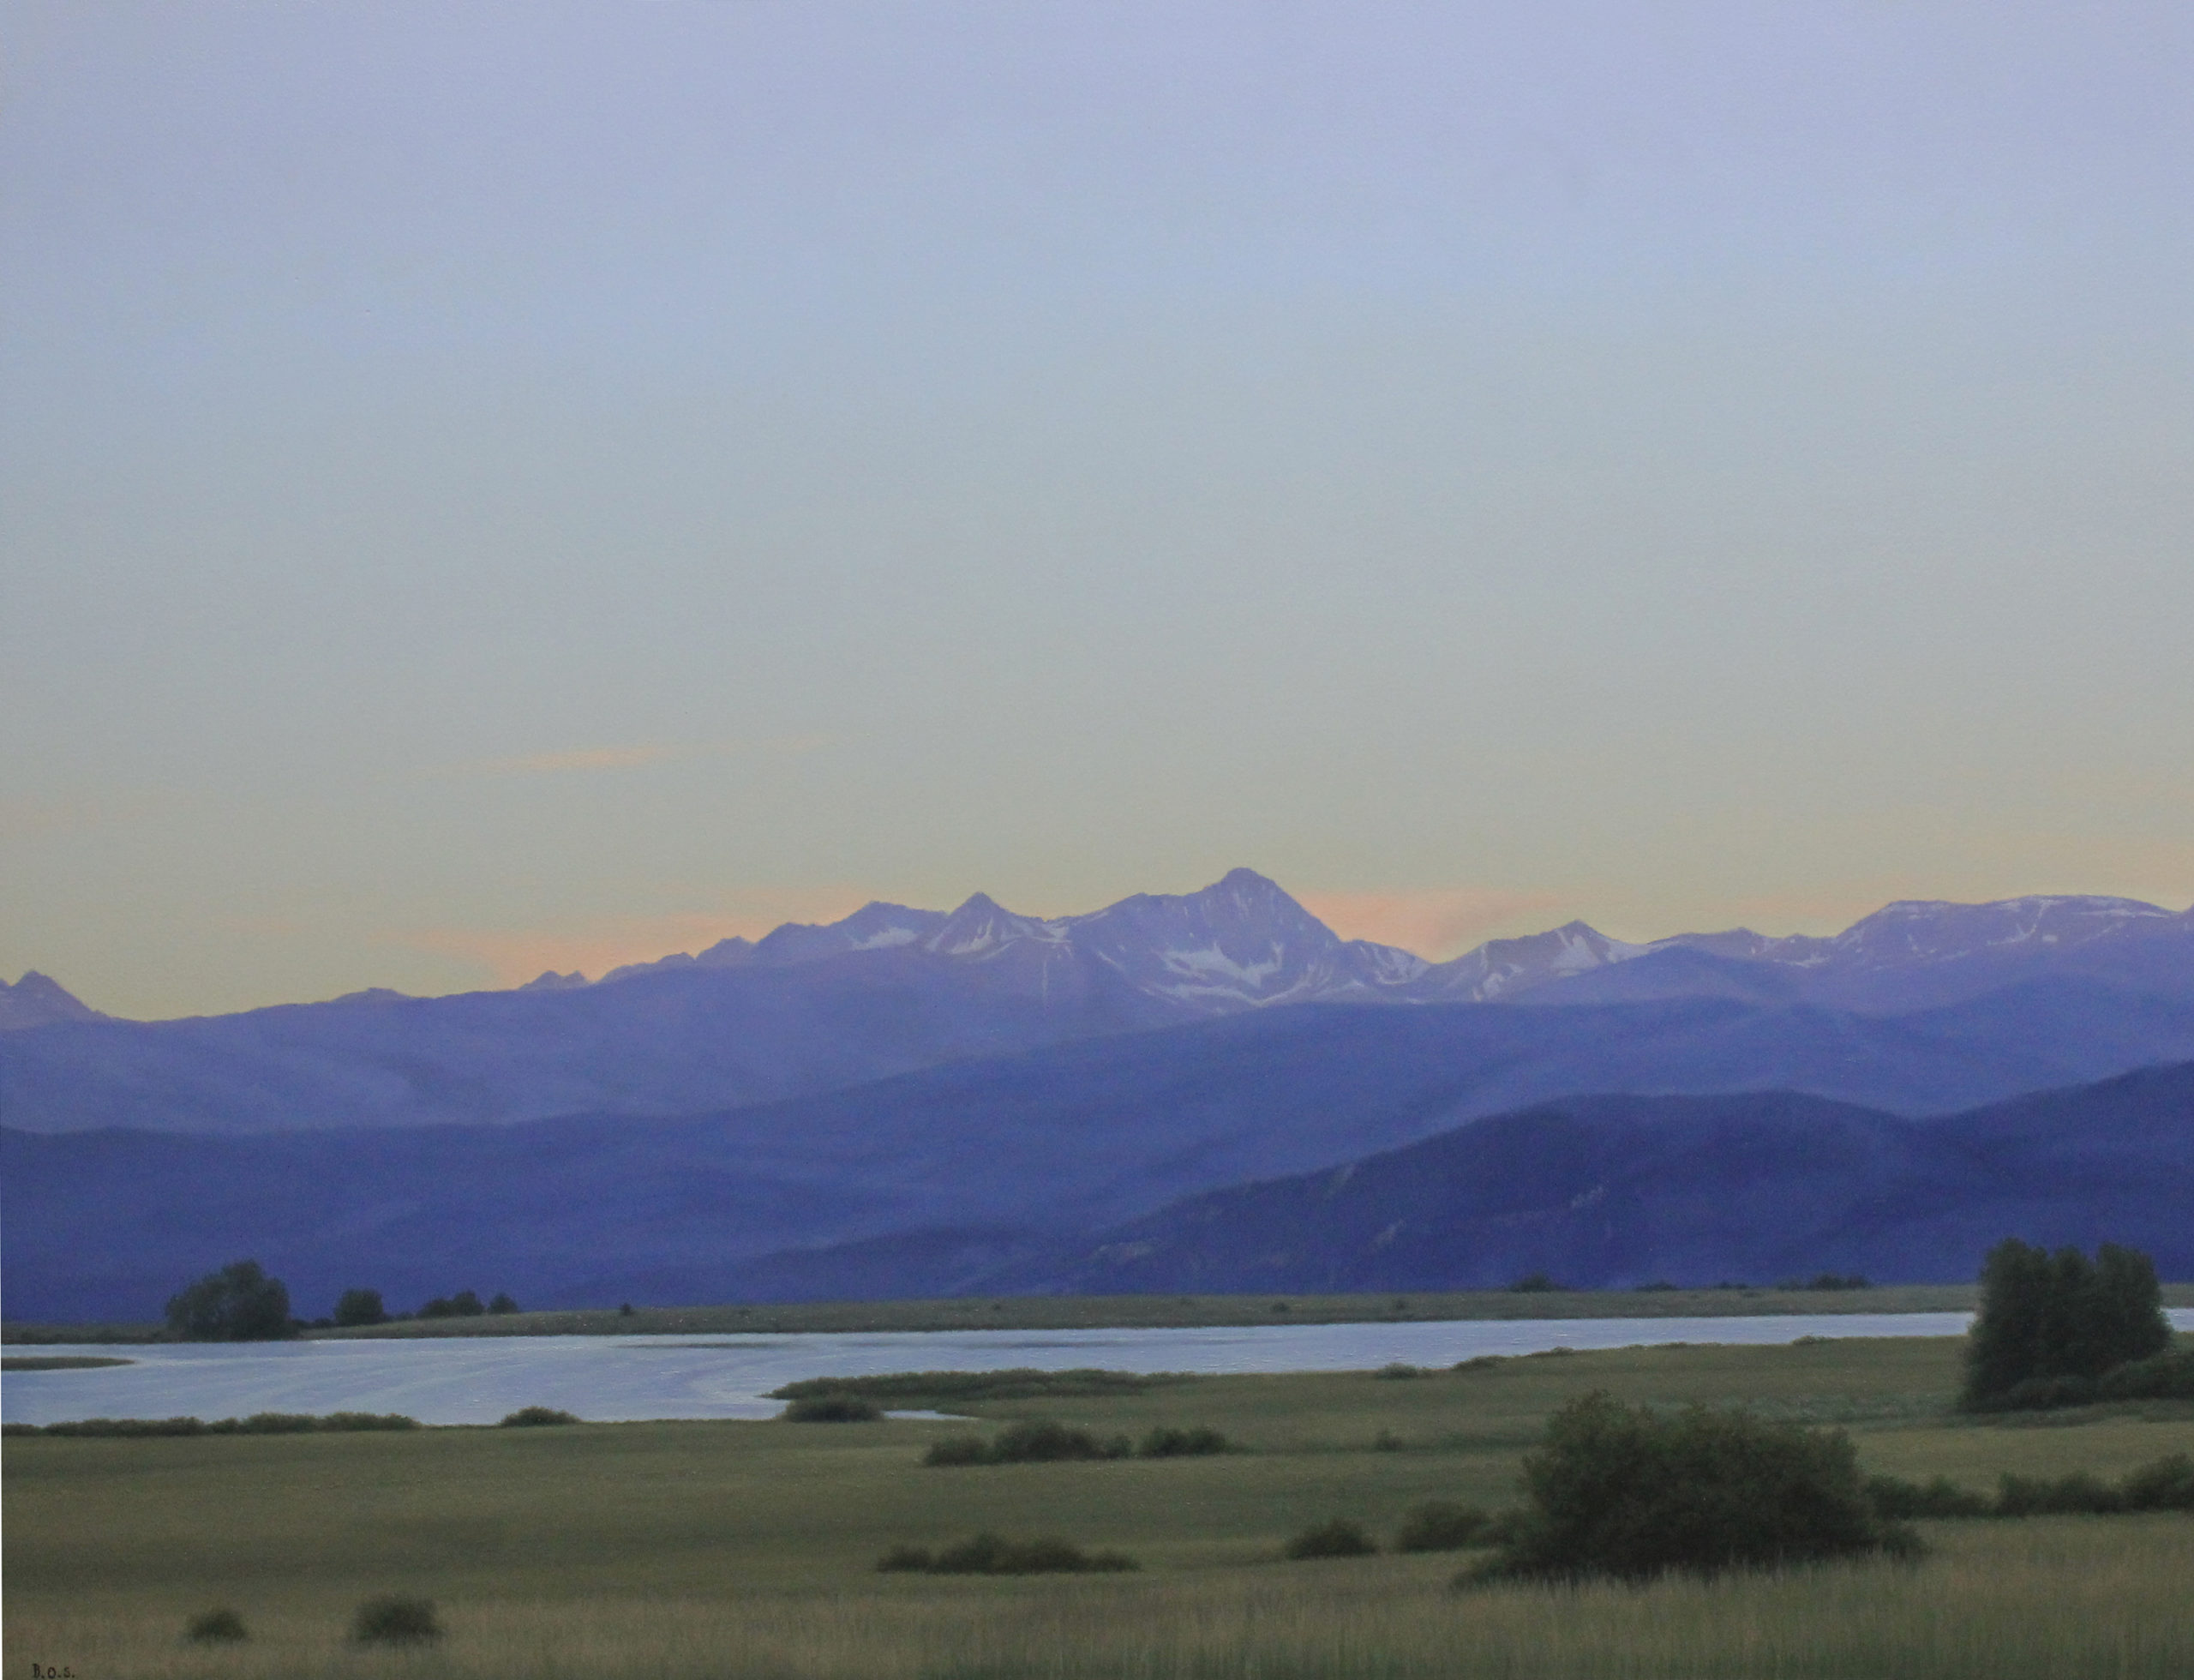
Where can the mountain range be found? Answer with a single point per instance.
(1209, 1090)
(890, 990)
(1609, 1191)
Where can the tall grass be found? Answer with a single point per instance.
(2054, 1597)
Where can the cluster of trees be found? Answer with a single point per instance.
(239, 1303)
(2054, 1327)
(242, 1303)
(365, 1306)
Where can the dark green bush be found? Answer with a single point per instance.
(1898, 1500)
(1440, 1526)
(1535, 1283)
(958, 1450)
(462, 1305)
(992, 1554)
(1039, 1441)
(259, 1423)
(239, 1303)
(361, 1307)
(2166, 1375)
(832, 1408)
(502, 1302)
(2076, 1495)
(1615, 1491)
(1400, 1372)
(126, 1426)
(2051, 1325)
(266, 1423)
(1169, 1442)
(537, 1417)
(2164, 1484)
(1338, 1538)
(2168, 1485)
(341, 1421)
(395, 1621)
(1827, 1281)
(216, 1626)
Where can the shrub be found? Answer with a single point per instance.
(992, 1554)
(1339, 1538)
(216, 1626)
(2168, 1485)
(1400, 1372)
(1534, 1283)
(259, 1423)
(361, 1307)
(267, 1423)
(2078, 1494)
(395, 1621)
(1898, 1500)
(537, 1417)
(1440, 1526)
(2050, 1324)
(1614, 1491)
(1041, 1441)
(943, 1388)
(367, 1420)
(502, 1302)
(958, 1450)
(462, 1305)
(1167, 1443)
(833, 1409)
(127, 1426)
(1827, 1281)
(2168, 1376)
(239, 1303)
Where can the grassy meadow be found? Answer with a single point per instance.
(678, 1549)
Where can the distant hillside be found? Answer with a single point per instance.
(890, 990)
(1613, 1192)
(943, 1176)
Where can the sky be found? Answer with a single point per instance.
(487, 488)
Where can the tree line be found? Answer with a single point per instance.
(242, 1303)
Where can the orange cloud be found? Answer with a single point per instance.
(514, 956)
(1437, 924)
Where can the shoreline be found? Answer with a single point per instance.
(1087, 1312)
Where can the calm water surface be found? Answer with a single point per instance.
(472, 1380)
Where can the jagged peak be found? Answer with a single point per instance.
(39, 1000)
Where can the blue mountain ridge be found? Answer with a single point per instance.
(891, 990)
(969, 1175)
(1615, 1192)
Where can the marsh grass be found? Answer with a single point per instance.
(747, 1550)
(2036, 1601)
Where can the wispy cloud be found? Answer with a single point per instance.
(1437, 924)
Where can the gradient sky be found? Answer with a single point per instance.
(488, 486)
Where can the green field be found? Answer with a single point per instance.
(678, 1549)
